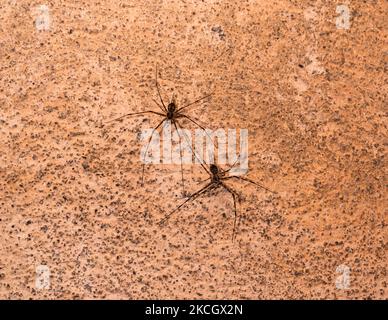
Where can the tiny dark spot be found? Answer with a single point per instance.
(85, 165)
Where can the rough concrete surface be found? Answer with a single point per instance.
(311, 92)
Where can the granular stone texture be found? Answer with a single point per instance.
(305, 78)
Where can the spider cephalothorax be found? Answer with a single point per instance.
(215, 173)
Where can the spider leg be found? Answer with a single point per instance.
(136, 113)
(158, 89)
(188, 142)
(180, 151)
(148, 144)
(181, 115)
(198, 100)
(235, 196)
(161, 108)
(194, 196)
(172, 98)
(226, 171)
(250, 181)
(202, 181)
(197, 124)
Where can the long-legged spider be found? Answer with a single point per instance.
(217, 178)
(172, 113)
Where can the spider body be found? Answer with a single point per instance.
(216, 175)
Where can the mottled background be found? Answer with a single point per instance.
(311, 94)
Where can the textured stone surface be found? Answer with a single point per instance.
(311, 95)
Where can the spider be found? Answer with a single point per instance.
(170, 112)
(216, 179)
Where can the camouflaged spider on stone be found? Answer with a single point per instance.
(170, 112)
(216, 179)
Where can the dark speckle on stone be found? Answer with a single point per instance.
(220, 32)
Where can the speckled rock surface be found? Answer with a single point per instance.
(311, 94)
